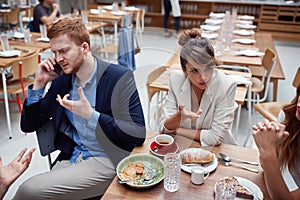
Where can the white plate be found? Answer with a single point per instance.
(108, 7)
(244, 22)
(209, 28)
(246, 17)
(244, 32)
(249, 185)
(210, 35)
(94, 11)
(244, 40)
(246, 26)
(43, 39)
(214, 21)
(10, 53)
(216, 15)
(18, 35)
(118, 13)
(131, 8)
(250, 53)
(208, 167)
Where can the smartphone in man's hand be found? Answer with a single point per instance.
(57, 68)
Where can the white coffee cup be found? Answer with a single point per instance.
(164, 141)
(198, 176)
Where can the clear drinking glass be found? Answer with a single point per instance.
(43, 30)
(27, 37)
(172, 168)
(225, 190)
(4, 43)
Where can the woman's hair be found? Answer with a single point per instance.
(74, 28)
(288, 150)
(196, 48)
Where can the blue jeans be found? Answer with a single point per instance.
(168, 9)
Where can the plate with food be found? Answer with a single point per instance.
(245, 189)
(139, 166)
(198, 158)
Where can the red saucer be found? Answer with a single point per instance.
(162, 152)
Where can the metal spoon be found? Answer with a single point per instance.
(238, 166)
(149, 177)
(228, 159)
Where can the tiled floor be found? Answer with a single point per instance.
(156, 50)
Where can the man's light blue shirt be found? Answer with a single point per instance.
(84, 131)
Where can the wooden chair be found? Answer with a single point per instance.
(139, 21)
(270, 110)
(262, 85)
(10, 20)
(22, 70)
(160, 93)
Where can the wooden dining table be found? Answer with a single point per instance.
(187, 189)
(4, 64)
(108, 16)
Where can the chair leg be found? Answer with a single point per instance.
(19, 103)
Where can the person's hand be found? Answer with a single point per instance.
(81, 107)
(55, 6)
(10, 172)
(185, 113)
(269, 135)
(44, 73)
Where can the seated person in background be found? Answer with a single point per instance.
(46, 12)
(10, 172)
(201, 97)
(96, 113)
(278, 145)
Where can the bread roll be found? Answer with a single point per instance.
(197, 157)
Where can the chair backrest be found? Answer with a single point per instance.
(127, 21)
(268, 62)
(46, 136)
(12, 17)
(25, 66)
(151, 77)
(296, 81)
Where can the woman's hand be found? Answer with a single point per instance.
(268, 135)
(185, 113)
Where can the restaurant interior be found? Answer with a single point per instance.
(280, 32)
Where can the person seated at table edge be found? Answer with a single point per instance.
(46, 12)
(278, 145)
(9, 173)
(96, 113)
(201, 97)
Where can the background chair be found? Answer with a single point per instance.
(22, 71)
(10, 20)
(270, 110)
(262, 85)
(160, 93)
(139, 21)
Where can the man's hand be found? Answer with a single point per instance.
(44, 73)
(81, 107)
